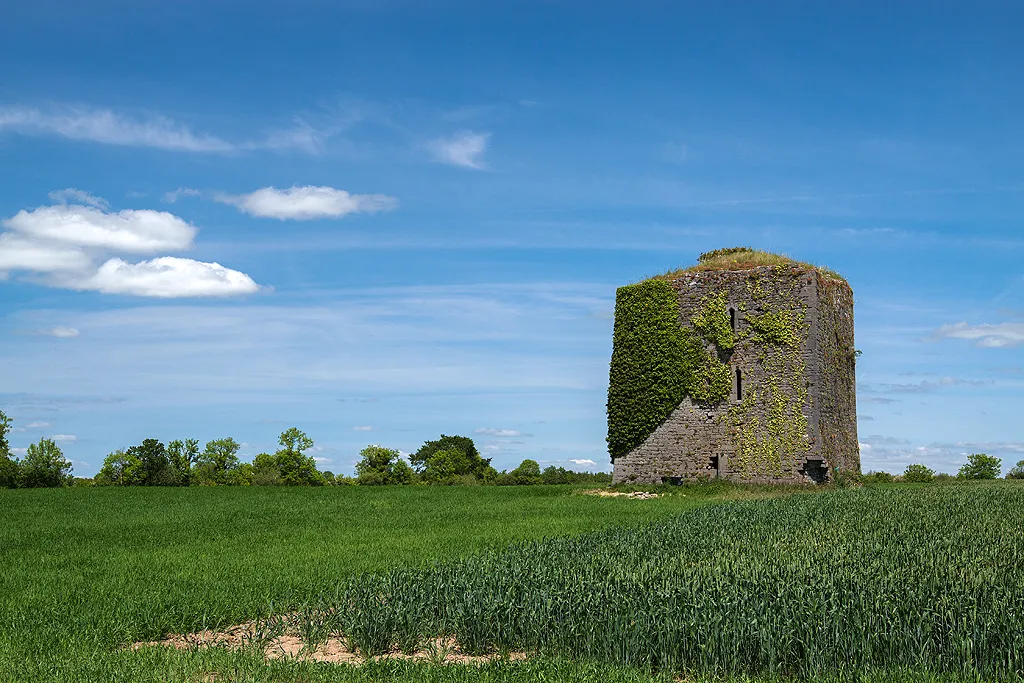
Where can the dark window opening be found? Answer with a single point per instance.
(816, 471)
(713, 464)
(673, 481)
(739, 384)
(732, 318)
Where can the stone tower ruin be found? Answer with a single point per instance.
(741, 367)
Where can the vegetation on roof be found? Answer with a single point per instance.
(744, 258)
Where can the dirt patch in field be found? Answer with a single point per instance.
(333, 650)
(639, 495)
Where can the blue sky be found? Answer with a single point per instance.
(381, 221)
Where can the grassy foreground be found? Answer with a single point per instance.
(85, 571)
(881, 584)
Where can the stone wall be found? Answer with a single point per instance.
(793, 420)
(838, 386)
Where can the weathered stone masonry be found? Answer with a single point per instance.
(791, 414)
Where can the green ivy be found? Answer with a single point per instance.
(782, 327)
(712, 321)
(657, 362)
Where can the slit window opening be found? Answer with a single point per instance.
(732, 318)
(739, 384)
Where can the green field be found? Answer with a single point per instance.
(916, 583)
(85, 571)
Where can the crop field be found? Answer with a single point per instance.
(909, 583)
(85, 571)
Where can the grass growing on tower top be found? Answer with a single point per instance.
(744, 258)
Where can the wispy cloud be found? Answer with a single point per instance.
(59, 332)
(995, 336)
(362, 428)
(583, 461)
(174, 195)
(80, 196)
(109, 127)
(464, 149)
(499, 432)
(106, 126)
(64, 438)
(307, 202)
(922, 387)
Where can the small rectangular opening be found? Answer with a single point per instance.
(732, 318)
(713, 464)
(739, 384)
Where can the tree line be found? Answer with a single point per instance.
(979, 466)
(445, 461)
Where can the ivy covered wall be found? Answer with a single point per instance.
(722, 373)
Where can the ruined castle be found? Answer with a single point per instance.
(741, 367)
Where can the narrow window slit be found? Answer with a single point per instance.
(739, 384)
(732, 318)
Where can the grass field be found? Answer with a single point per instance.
(85, 571)
(907, 583)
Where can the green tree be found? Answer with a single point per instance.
(446, 466)
(121, 468)
(264, 470)
(218, 464)
(381, 466)
(918, 474)
(155, 464)
(182, 456)
(44, 466)
(527, 473)
(472, 463)
(8, 466)
(981, 466)
(1017, 472)
(295, 468)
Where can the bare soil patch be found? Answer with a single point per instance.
(639, 495)
(334, 650)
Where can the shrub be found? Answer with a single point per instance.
(1017, 472)
(918, 474)
(264, 471)
(8, 466)
(878, 478)
(981, 466)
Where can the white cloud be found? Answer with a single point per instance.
(80, 196)
(322, 460)
(17, 253)
(37, 425)
(463, 149)
(362, 428)
(498, 432)
(166, 277)
(19, 451)
(60, 332)
(307, 202)
(64, 242)
(107, 126)
(999, 335)
(173, 196)
(583, 461)
(64, 438)
(83, 226)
